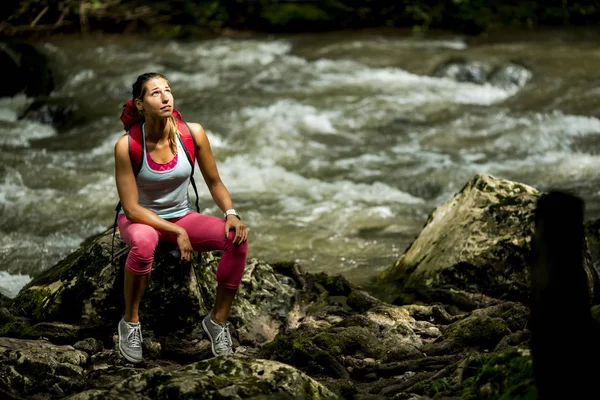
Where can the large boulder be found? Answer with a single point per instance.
(86, 290)
(28, 69)
(474, 250)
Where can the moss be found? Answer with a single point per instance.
(505, 376)
(31, 302)
(332, 343)
(83, 281)
(62, 270)
(74, 270)
(336, 285)
(14, 328)
(505, 201)
(480, 331)
(318, 298)
(439, 386)
(496, 376)
(299, 350)
(288, 349)
(57, 333)
(595, 310)
(289, 269)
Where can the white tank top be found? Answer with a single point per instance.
(165, 192)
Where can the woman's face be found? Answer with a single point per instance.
(157, 99)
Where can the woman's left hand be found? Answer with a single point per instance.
(241, 231)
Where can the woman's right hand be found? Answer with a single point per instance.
(185, 246)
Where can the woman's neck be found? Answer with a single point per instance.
(156, 129)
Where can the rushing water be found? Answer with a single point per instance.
(335, 147)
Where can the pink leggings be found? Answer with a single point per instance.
(206, 232)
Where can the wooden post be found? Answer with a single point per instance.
(562, 343)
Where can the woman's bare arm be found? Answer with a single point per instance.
(218, 191)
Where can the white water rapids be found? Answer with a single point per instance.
(335, 147)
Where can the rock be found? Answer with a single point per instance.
(62, 113)
(510, 76)
(336, 285)
(89, 345)
(28, 69)
(232, 377)
(263, 303)
(361, 300)
(86, 289)
(57, 332)
(4, 299)
(40, 369)
(474, 250)
(462, 70)
(320, 348)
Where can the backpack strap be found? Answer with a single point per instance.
(188, 140)
(136, 148)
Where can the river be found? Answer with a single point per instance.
(335, 146)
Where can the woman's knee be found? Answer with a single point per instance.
(232, 265)
(141, 254)
(241, 248)
(144, 246)
(237, 248)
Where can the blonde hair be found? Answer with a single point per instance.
(173, 132)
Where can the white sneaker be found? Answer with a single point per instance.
(130, 340)
(219, 335)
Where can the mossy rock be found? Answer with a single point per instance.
(500, 376)
(86, 289)
(478, 243)
(301, 350)
(231, 377)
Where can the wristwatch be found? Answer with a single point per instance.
(231, 211)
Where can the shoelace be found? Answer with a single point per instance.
(223, 341)
(134, 338)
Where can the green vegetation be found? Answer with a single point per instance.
(32, 301)
(503, 376)
(496, 376)
(190, 17)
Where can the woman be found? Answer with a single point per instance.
(156, 206)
